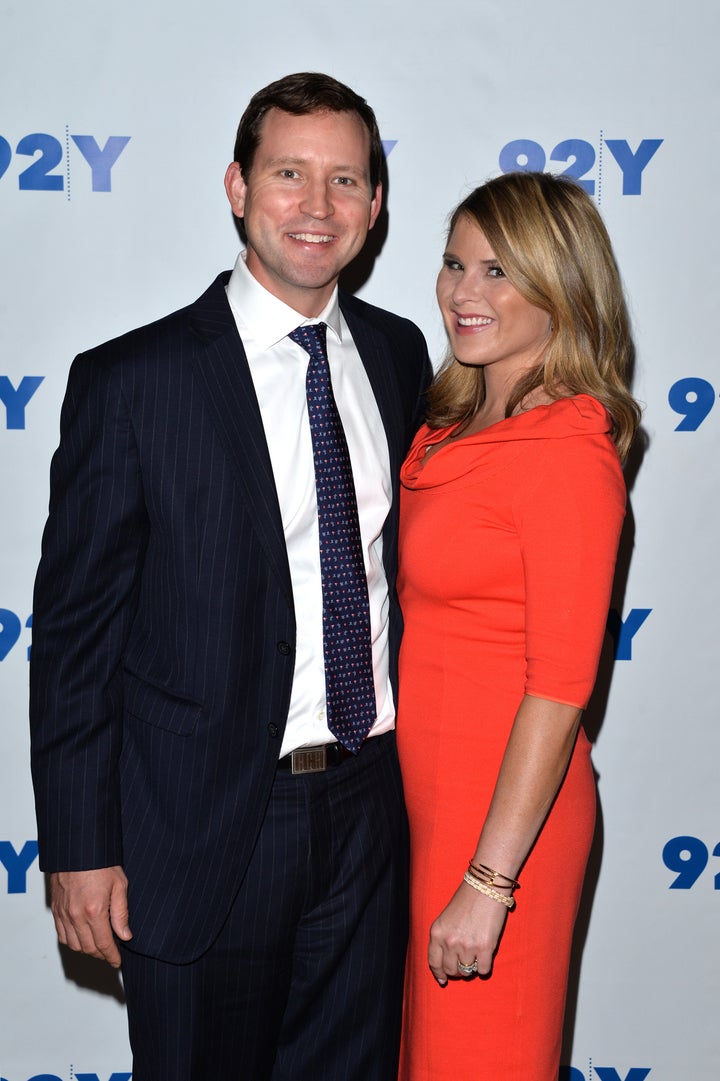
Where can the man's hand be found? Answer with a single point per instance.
(87, 907)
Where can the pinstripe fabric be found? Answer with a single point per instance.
(305, 979)
(160, 678)
(163, 626)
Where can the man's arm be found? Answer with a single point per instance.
(84, 603)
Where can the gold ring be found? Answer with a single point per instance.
(467, 970)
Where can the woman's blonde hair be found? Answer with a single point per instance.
(552, 245)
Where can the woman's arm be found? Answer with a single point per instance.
(568, 516)
(533, 766)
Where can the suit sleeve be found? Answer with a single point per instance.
(426, 376)
(569, 526)
(84, 599)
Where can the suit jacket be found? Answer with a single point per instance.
(163, 624)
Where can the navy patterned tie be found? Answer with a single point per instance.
(347, 648)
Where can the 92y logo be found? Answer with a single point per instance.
(17, 864)
(10, 629)
(77, 1076)
(16, 398)
(693, 399)
(604, 1073)
(581, 157)
(687, 857)
(49, 153)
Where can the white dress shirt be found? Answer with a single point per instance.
(278, 368)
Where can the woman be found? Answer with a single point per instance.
(512, 504)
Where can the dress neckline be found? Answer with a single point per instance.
(562, 418)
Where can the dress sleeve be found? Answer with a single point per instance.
(569, 521)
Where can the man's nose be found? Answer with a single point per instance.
(317, 199)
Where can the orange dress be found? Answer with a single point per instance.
(508, 541)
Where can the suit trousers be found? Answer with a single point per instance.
(305, 978)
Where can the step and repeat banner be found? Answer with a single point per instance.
(117, 124)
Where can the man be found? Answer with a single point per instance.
(191, 640)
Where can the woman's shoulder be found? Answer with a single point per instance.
(562, 418)
(573, 456)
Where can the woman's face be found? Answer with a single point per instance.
(487, 321)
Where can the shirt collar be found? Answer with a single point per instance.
(265, 318)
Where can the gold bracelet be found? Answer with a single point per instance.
(481, 887)
(480, 875)
(493, 875)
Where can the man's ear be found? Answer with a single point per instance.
(236, 189)
(375, 205)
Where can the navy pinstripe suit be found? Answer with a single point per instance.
(163, 626)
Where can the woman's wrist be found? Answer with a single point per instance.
(491, 877)
(489, 891)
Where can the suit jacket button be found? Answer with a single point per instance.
(273, 730)
(284, 648)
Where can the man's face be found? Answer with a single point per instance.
(307, 203)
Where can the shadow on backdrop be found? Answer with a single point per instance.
(592, 721)
(88, 972)
(92, 974)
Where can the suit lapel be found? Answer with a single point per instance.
(224, 378)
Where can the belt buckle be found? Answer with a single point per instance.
(309, 760)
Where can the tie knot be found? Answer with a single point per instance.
(311, 338)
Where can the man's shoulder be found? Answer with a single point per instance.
(389, 322)
(210, 310)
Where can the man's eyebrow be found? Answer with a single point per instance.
(285, 161)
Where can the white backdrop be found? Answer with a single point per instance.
(117, 124)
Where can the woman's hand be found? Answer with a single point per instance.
(534, 763)
(468, 928)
